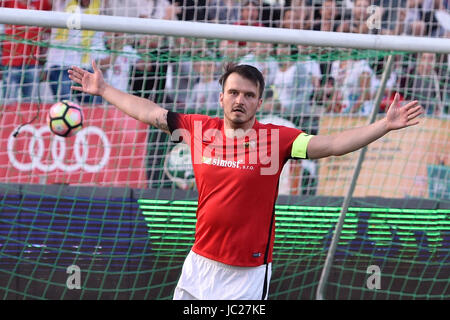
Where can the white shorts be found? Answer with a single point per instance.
(206, 279)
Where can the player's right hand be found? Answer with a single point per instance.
(91, 83)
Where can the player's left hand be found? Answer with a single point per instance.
(399, 117)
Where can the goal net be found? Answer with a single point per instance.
(110, 213)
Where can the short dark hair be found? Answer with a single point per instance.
(246, 71)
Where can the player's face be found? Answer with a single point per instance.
(240, 100)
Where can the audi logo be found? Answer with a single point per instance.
(58, 148)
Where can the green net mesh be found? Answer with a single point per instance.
(128, 222)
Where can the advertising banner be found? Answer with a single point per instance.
(395, 166)
(110, 150)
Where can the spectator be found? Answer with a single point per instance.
(414, 25)
(401, 23)
(328, 21)
(442, 15)
(148, 80)
(388, 95)
(421, 17)
(353, 85)
(313, 72)
(141, 8)
(392, 15)
(329, 96)
(294, 84)
(233, 50)
(204, 96)
(191, 10)
(304, 11)
(148, 74)
(73, 47)
(260, 57)
(249, 16)
(270, 12)
(143, 67)
(357, 22)
(22, 61)
(122, 57)
(180, 71)
(430, 11)
(329, 17)
(293, 19)
(298, 14)
(223, 11)
(229, 12)
(423, 84)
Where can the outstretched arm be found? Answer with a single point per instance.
(139, 108)
(341, 143)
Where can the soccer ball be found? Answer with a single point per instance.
(65, 118)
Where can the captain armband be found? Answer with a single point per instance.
(300, 145)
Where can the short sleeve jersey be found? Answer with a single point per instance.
(237, 181)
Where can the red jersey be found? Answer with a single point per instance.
(237, 181)
(17, 54)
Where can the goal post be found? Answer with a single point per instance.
(332, 250)
(222, 31)
(118, 200)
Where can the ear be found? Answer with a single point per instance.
(259, 104)
(221, 99)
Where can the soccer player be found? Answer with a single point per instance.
(237, 162)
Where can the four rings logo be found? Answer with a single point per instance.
(57, 150)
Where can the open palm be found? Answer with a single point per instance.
(91, 83)
(399, 117)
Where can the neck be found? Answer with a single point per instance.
(233, 130)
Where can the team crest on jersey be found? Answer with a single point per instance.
(250, 144)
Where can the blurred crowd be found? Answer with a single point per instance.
(182, 73)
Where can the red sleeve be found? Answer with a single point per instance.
(287, 138)
(181, 126)
(177, 120)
